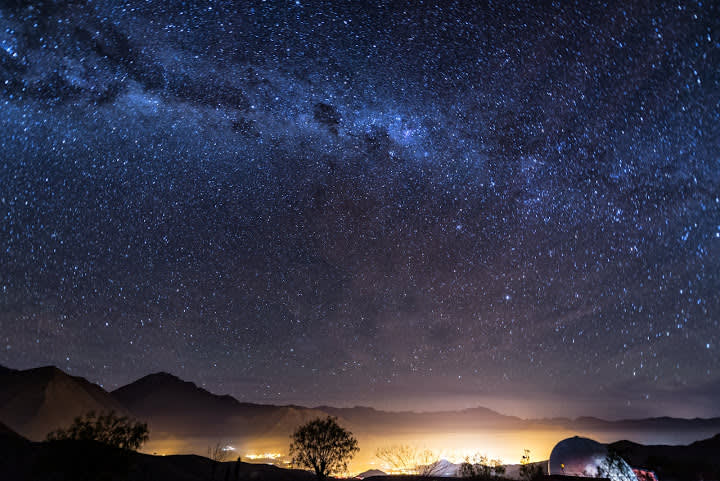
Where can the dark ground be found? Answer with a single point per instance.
(699, 460)
(23, 460)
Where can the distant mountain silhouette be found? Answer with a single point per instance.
(370, 473)
(36, 401)
(663, 423)
(172, 405)
(369, 418)
(172, 395)
(177, 407)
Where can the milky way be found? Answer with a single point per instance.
(334, 202)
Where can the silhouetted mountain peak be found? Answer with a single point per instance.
(36, 401)
(487, 412)
(163, 379)
(173, 394)
(6, 432)
(355, 409)
(50, 369)
(48, 373)
(589, 419)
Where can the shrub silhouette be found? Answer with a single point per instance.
(480, 467)
(218, 454)
(110, 429)
(406, 459)
(528, 470)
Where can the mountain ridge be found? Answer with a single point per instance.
(35, 401)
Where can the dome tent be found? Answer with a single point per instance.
(584, 457)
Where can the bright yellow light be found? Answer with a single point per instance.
(453, 445)
(272, 456)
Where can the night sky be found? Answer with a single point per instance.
(429, 204)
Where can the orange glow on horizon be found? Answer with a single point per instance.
(454, 447)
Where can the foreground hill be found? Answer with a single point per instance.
(76, 460)
(13, 449)
(36, 401)
(699, 460)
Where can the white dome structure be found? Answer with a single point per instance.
(584, 457)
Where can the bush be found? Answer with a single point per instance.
(110, 429)
(529, 471)
(481, 467)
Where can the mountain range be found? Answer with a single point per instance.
(36, 401)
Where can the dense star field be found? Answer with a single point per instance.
(426, 205)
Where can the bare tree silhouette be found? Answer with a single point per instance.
(406, 459)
